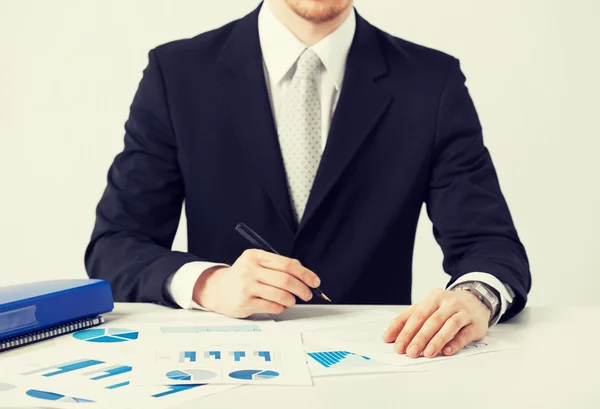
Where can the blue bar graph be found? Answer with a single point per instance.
(113, 371)
(330, 358)
(175, 389)
(215, 354)
(190, 356)
(118, 385)
(65, 367)
(237, 355)
(74, 367)
(263, 354)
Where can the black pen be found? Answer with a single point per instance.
(261, 244)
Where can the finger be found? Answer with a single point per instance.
(397, 324)
(285, 282)
(288, 265)
(464, 336)
(413, 325)
(429, 329)
(276, 295)
(261, 306)
(448, 331)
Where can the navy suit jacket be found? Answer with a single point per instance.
(405, 132)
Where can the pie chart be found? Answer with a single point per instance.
(253, 375)
(34, 393)
(106, 335)
(190, 375)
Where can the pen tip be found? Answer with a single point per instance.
(325, 297)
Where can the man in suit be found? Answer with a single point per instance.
(325, 135)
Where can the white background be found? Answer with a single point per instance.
(69, 70)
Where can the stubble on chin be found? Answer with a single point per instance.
(317, 11)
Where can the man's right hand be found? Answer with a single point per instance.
(258, 282)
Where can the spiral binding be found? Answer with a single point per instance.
(50, 332)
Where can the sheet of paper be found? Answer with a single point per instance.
(128, 337)
(326, 360)
(54, 376)
(264, 322)
(363, 335)
(304, 325)
(99, 363)
(18, 393)
(225, 358)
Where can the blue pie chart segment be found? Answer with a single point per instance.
(179, 376)
(253, 375)
(34, 393)
(266, 375)
(191, 375)
(126, 335)
(44, 395)
(106, 335)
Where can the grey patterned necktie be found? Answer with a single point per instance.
(299, 129)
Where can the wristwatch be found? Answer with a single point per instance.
(485, 293)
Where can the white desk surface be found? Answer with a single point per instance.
(557, 366)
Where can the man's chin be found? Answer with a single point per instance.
(317, 11)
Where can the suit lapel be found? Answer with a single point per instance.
(243, 93)
(362, 103)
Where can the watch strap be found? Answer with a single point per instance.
(485, 293)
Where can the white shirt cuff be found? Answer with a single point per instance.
(180, 285)
(503, 289)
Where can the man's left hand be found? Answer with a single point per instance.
(444, 322)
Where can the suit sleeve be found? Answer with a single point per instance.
(471, 219)
(138, 213)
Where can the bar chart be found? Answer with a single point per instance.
(213, 357)
(64, 368)
(327, 359)
(187, 356)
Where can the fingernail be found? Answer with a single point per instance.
(430, 351)
(413, 350)
(310, 296)
(448, 349)
(387, 337)
(316, 282)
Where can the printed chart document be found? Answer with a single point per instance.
(56, 376)
(356, 335)
(326, 360)
(43, 394)
(214, 357)
(330, 358)
(98, 365)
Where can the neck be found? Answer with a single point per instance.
(310, 33)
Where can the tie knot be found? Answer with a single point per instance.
(308, 65)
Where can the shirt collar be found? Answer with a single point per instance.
(281, 49)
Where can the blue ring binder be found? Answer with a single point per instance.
(37, 311)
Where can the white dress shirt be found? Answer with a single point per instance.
(281, 49)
